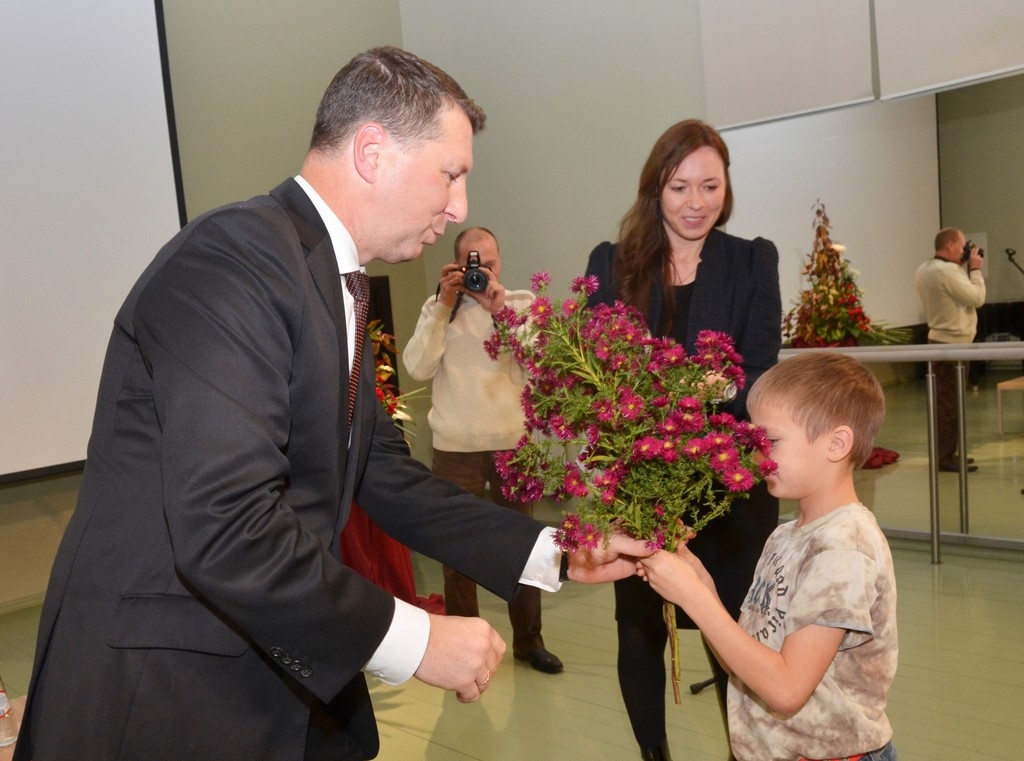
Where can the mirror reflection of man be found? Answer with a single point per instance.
(476, 411)
(951, 288)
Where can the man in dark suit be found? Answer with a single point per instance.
(197, 606)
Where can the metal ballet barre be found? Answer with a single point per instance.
(961, 354)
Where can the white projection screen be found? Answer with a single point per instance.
(766, 61)
(88, 197)
(930, 45)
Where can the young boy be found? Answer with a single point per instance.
(814, 652)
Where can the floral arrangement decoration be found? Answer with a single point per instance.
(829, 311)
(384, 350)
(624, 425)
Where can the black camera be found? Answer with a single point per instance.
(967, 252)
(476, 278)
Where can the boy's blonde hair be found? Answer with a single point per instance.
(822, 390)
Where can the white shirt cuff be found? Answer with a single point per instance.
(544, 563)
(401, 651)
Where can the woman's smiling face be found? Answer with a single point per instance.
(692, 199)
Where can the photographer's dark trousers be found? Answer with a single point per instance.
(947, 412)
(474, 471)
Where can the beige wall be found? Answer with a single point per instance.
(247, 78)
(576, 92)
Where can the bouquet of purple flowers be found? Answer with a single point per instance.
(623, 425)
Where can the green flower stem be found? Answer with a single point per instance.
(669, 614)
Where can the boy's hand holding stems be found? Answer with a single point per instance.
(784, 680)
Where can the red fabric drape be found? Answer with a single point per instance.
(384, 561)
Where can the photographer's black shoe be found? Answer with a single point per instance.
(656, 754)
(955, 467)
(542, 660)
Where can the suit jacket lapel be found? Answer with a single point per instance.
(323, 268)
(714, 290)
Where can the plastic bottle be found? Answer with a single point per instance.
(8, 730)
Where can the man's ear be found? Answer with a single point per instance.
(840, 443)
(367, 146)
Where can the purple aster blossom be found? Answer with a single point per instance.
(523, 488)
(574, 484)
(671, 426)
(668, 451)
(690, 403)
(717, 441)
(736, 375)
(604, 410)
(738, 479)
(533, 422)
(589, 537)
(533, 490)
(492, 346)
(587, 284)
(695, 448)
(647, 448)
(541, 310)
(722, 420)
(723, 460)
(657, 541)
(540, 282)
(665, 356)
(572, 535)
(609, 477)
(631, 404)
(752, 436)
(719, 345)
(504, 457)
(617, 361)
(568, 533)
(561, 428)
(690, 421)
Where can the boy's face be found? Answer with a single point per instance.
(800, 461)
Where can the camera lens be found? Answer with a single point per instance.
(475, 280)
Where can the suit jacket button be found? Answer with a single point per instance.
(306, 672)
(286, 659)
(295, 665)
(276, 652)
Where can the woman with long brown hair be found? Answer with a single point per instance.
(685, 275)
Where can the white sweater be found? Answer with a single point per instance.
(476, 401)
(950, 298)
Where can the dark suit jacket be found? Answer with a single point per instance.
(736, 292)
(197, 607)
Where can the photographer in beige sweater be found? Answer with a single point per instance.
(950, 298)
(476, 409)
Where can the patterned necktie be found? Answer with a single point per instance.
(358, 284)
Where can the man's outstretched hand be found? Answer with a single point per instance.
(616, 561)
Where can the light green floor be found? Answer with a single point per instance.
(958, 691)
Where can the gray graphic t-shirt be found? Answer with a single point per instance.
(835, 571)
